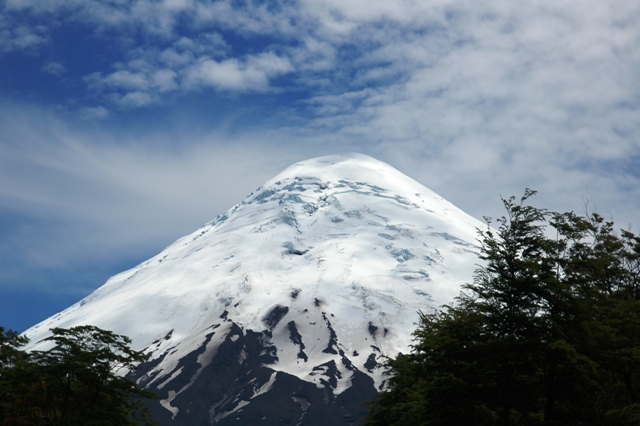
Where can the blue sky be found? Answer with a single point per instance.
(125, 124)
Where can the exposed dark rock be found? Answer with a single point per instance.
(239, 388)
(346, 361)
(275, 315)
(333, 338)
(166, 337)
(362, 390)
(330, 371)
(292, 250)
(297, 252)
(372, 330)
(296, 338)
(144, 374)
(371, 363)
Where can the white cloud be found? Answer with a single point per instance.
(125, 80)
(253, 73)
(24, 38)
(474, 99)
(97, 193)
(54, 68)
(16, 36)
(143, 81)
(134, 99)
(98, 112)
(499, 44)
(165, 80)
(175, 59)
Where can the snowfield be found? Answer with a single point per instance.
(330, 260)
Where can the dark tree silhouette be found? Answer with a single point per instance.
(79, 381)
(548, 333)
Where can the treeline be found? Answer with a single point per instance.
(75, 383)
(547, 334)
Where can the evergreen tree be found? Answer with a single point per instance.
(548, 333)
(77, 382)
(11, 360)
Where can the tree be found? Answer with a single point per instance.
(548, 333)
(10, 341)
(12, 359)
(76, 382)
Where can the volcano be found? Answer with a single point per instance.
(279, 311)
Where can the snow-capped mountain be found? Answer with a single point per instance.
(277, 311)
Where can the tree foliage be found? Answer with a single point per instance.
(548, 333)
(76, 382)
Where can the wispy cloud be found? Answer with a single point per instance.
(474, 99)
(94, 196)
(15, 36)
(54, 68)
(456, 76)
(98, 112)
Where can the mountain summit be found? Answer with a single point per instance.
(278, 311)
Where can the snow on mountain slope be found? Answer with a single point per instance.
(331, 260)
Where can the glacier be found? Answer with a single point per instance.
(305, 284)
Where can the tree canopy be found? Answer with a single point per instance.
(548, 333)
(75, 383)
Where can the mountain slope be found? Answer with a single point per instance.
(277, 311)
